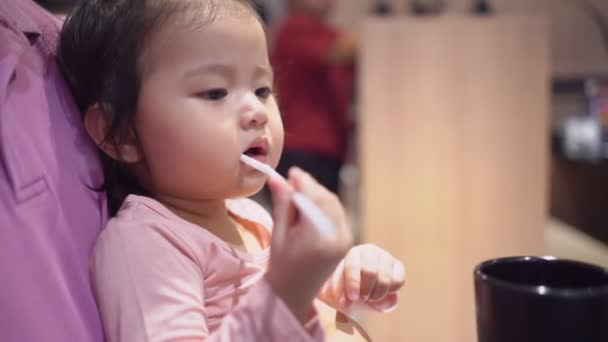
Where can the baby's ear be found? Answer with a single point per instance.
(97, 125)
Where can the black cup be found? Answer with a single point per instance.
(531, 299)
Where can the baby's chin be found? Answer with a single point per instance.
(250, 189)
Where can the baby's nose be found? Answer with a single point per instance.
(255, 113)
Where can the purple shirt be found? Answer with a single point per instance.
(49, 217)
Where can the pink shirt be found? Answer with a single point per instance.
(157, 277)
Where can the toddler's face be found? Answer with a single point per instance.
(205, 99)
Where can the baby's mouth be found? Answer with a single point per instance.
(258, 150)
(254, 152)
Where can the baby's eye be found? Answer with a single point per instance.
(263, 92)
(213, 94)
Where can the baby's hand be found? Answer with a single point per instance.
(302, 257)
(367, 274)
(371, 274)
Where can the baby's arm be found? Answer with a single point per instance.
(149, 289)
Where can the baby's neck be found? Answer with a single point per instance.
(210, 215)
(204, 213)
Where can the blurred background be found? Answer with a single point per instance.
(577, 86)
(577, 79)
(455, 131)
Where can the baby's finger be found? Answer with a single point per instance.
(352, 275)
(388, 304)
(398, 277)
(384, 281)
(281, 208)
(369, 273)
(303, 182)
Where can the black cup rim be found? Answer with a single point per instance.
(601, 290)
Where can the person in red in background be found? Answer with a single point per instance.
(314, 69)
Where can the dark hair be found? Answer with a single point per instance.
(100, 53)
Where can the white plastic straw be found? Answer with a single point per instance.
(306, 207)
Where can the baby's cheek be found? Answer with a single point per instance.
(278, 140)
